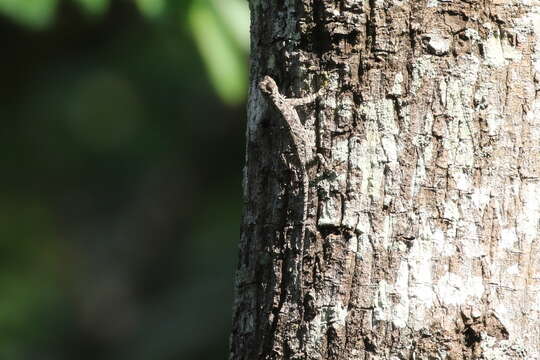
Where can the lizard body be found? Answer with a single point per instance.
(302, 148)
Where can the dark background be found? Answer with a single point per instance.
(122, 148)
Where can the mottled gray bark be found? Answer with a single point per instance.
(422, 232)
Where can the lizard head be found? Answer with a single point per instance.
(268, 86)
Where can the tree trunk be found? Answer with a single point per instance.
(422, 228)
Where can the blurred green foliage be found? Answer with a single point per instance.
(120, 177)
(93, 7)
(33, 13)
(220, 29)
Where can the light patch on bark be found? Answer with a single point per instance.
(471, 34)
(331, 211)
(422, 68)
(451, 211)
(463, 182)
(452, 289)
(412, 290)
(438, 44)
(529, 218)
(400, 311)
(470, 243)
(442, 246)
(496, 349)
(420, 283)
(530, 25)
(494, 55)
(332, 314)
(421, 275)
(513, 269)
(480, 198)
(345, 110)
(381, 306)
(508, 238)
(397, 88)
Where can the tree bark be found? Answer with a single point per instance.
(422, 232)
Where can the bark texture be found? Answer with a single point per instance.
(422, 235)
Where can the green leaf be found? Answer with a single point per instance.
(151, 8)
(36, 14)
(235, 16)
(224, 60)
(94, 7)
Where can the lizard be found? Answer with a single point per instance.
(302, 148)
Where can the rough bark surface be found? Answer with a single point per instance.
(422, 237)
